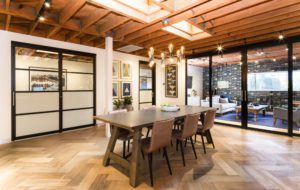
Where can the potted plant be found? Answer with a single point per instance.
(128, 103)
(117, 104)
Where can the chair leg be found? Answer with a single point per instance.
(148, 131)
(185, 142)
(128, 145)
(143, 155)
(182, 154)
(177, 145)
(150, 167)
(195, 138)
(193, 147)
(124, 149)
(203, 144)
(212, 141)
(167, 159)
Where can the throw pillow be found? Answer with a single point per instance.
(223, 100)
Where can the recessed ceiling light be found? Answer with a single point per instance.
(47, 5)
(220, 48)
(294, 57)
(41, 18)
(281, 36)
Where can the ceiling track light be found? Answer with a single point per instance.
(280, 36)
(220, 48)
(47, 4)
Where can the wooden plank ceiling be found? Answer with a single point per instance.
(230, 22)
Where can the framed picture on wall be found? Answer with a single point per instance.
(115, 89)
(126, 71)
(46, 79)
(171, 81)
(116, 69)
(126, 89)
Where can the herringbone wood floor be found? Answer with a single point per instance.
(242, 160)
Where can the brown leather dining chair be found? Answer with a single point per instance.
(189, 129)
(160, 138)
(204, 129)
(124, 135)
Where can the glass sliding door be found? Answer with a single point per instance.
(146, 85)
(78, 90)
(226, 88)
(198, 82)
(296, 88)
(35, 92)
(268, 88)
(52, 90)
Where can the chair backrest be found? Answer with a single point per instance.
(190, 125)
(148, 107)
(209, 119)
(161, 134)
(117, 111)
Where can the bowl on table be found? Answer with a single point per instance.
(169, 108)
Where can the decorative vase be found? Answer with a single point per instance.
(128, 107)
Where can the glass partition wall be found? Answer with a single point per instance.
(52, 90)
(268, 88)
(296, 88)
(261, 81)
(226, 87)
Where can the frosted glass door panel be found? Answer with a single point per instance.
(22, 80)
(36, 123)
(77, 100)
(77, 118)
(79, 81)
(75, 66)
(36, 102)
(145, 96)
(37, 61)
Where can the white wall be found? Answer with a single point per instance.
(5, 76)
(197, 74)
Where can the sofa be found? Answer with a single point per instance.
(282, 114)
(223, 105)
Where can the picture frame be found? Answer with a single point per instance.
(116, 69)
(171, 81)
(126, 70)
(43, 79)
(126, 89)
(116, 89)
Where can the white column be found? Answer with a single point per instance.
(108, 76)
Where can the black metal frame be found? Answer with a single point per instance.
(244, 69)
(60, 52)
(153, 83)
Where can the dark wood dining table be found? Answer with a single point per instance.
(135, 121)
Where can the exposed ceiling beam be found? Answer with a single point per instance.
(37, 11)
(93, 18)
(70, 10)
(7, 23)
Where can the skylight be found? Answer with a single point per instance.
(186, 30)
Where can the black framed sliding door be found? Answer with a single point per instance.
(48, 90)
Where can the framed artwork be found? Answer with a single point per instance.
(46, 79)
(115, 89)
(116, 69)
(171, 81)
(126, 71)
(126, 89)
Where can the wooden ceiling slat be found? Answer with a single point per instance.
(253, 11)
(7, 23)
(38, 9)
(113, 22)
(93, 18)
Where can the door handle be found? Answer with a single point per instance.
(13, 98)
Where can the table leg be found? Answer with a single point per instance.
(136, 146)
(111, 145)
(264, 112)
(237, 115)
